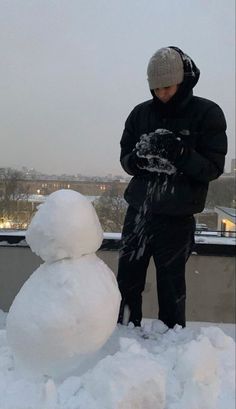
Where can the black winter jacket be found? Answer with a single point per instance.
(202, 125)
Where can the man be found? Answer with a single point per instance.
(173, 145)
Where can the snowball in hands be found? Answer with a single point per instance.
(69, 307)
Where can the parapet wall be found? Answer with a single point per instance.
(210, 282)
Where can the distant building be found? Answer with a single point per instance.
(226, 220)
(44, 187)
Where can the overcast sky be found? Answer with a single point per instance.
(72, 70)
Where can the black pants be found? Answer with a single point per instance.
(169, 239)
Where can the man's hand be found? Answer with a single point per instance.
(160, 144)
(137, 161)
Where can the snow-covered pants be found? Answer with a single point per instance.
(169, 239)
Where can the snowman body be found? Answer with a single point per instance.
(69, 306)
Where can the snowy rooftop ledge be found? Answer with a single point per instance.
(205, 243)
(143, 369)
(209, 263)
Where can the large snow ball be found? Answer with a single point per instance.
(65, 225)
(63, 311)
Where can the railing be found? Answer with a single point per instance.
(211, 242)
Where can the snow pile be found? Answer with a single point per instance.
(66, 225)
(69, 306)
(180, 369)
(132, 378)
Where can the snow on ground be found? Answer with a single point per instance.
(191, 368)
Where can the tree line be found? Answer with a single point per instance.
(110, 206)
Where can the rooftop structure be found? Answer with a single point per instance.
(226, 220)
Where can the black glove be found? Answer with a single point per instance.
(152, 163)
(161, 144)
(148, 146)
(174, 150)
(137, 161)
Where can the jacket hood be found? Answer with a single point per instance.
(191, 71)
(185, 90)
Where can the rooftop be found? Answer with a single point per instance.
(230, 211)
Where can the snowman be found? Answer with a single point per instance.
(68, 307)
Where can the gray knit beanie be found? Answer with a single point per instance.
(165, 68)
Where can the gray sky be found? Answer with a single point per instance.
(72, 70)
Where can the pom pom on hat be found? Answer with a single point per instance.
(165, 68)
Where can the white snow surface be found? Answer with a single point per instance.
(191, 368)
(65, 226)
(63, 311)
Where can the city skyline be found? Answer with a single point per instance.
(34, 173)
(71, 72)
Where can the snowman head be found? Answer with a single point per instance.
(65, 226)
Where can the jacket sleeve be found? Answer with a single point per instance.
(206, 162)
(128, 141)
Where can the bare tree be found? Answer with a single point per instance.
(111, 208)
(14, 196)
(221, 192)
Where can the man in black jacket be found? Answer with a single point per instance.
(173, 145)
